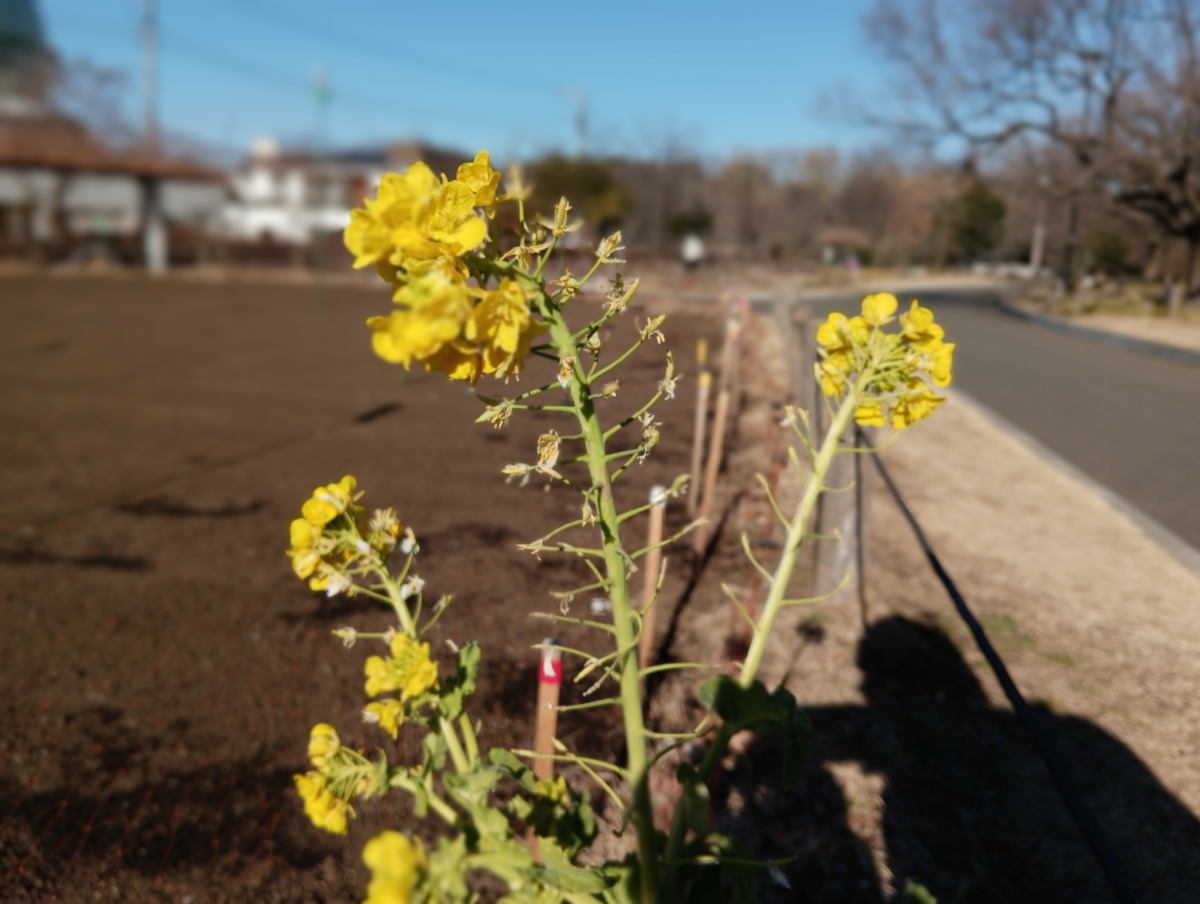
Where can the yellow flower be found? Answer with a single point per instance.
(415, 219)
(918, 328)
(941, 361)
(323, 743)
(504, 327)
(451, 222)
(396, 864)
(329, 501)
(870, 413)
(878, 309)
(417, 672)
(388, 218)
(834, 371)
(320, 805)
(840, 335)
(408, 670)
(481, 179)
(388, 714)
(328, 578)
(304, 537)
(458, 360)
(914, 407)
(436, 307)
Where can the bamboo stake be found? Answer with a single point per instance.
(703, 391)
(651, 567)
(733, 329)
(715, 448)
(550, 672)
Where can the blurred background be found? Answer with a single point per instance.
(1028, 138)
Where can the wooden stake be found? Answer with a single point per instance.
(550, 673)
(715, 448)
(702, 394)
(729, 356)
(652, 565)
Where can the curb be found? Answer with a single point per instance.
(1175, 353)
(1175, 546)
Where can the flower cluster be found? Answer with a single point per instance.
(338, 773)
(894, 373)
(422, 234)
(408, 670)
(396, 864)
(333, 540)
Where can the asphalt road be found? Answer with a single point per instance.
(1127, 419)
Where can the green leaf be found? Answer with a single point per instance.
(560, 873)
(739, 706)
(433, 747)
(752, 707)
(507, 760)
(473, 786)
(916, 893)
(448, 870)
(461, 685)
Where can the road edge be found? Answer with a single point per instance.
(1179, 549)
(1173, 352)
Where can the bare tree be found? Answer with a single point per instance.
(1113, 82)
(94, 95)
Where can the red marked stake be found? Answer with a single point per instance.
(550, 675)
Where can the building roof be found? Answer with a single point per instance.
(59, 143)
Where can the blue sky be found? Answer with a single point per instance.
(710, 78)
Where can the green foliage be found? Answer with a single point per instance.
(595, 194)
(1107, 253)
(462, 683)
(752, 707)
(697, 221)
(916, 893)
(974, 222)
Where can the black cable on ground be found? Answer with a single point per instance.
(1101, 847)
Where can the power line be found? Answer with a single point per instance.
(221, 60)
(362, 43)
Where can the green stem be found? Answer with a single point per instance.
(796, 531)
(623, 617)
(469, 738)
(454, 747)
(439, 806)
(397, 601)
(773, 605)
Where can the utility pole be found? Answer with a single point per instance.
(150, 73)
(580, 97)
(154, 230)
(322, 94)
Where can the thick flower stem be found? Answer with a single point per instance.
(772, 606)
(616, 561)
(774, 602)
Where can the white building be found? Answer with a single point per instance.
(298, 198)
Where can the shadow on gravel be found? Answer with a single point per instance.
(946, 790)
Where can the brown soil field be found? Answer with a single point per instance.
(162, 666)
